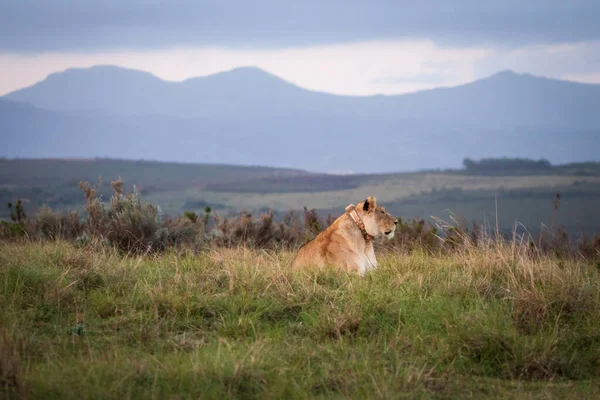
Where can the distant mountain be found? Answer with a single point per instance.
(128, 92)
(504, 99)
(247, 116)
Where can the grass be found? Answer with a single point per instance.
(495, 321)
(176, 188)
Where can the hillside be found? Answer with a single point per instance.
(310, 141)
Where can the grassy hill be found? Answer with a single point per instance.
(468, 195)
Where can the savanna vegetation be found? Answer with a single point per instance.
(509, 190)
(493, 322)
(121, 301)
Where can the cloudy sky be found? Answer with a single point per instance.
(339, 46)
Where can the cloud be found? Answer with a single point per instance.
(426, 78)
(67, 25)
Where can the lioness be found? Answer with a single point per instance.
(348, 242)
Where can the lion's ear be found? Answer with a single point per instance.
(370, 204)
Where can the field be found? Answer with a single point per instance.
(492, 321)
(120, 302)
(525, 196)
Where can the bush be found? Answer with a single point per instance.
(56, 225)
(414, 234)
(135, 226)
(14, 229)
(132, 225)
(590, 248)
(192, 216)
(262, 232)
(18, 214)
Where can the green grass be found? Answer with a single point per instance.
(493, 322)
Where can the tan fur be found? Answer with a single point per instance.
(342, 244)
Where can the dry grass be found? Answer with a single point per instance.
(489, 320)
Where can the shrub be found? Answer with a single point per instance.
(312, 224)
(262, 232)
(14, 229)
(192, 216)
(590, 247)
(11, 230)
(132, 225)
(414, 234)
(53, 225)
(18, 214)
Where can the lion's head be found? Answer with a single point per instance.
(376, 218)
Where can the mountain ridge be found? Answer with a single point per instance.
(259, 71)
(502, 99)
(248, 116)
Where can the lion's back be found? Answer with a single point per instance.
(326, 248)
(303, 255)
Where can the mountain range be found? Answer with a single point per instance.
(248, 116)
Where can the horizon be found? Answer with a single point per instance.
(250, 67)
(308, 171)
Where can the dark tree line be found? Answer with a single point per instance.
(506, 164)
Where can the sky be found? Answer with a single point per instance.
(353, 47)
